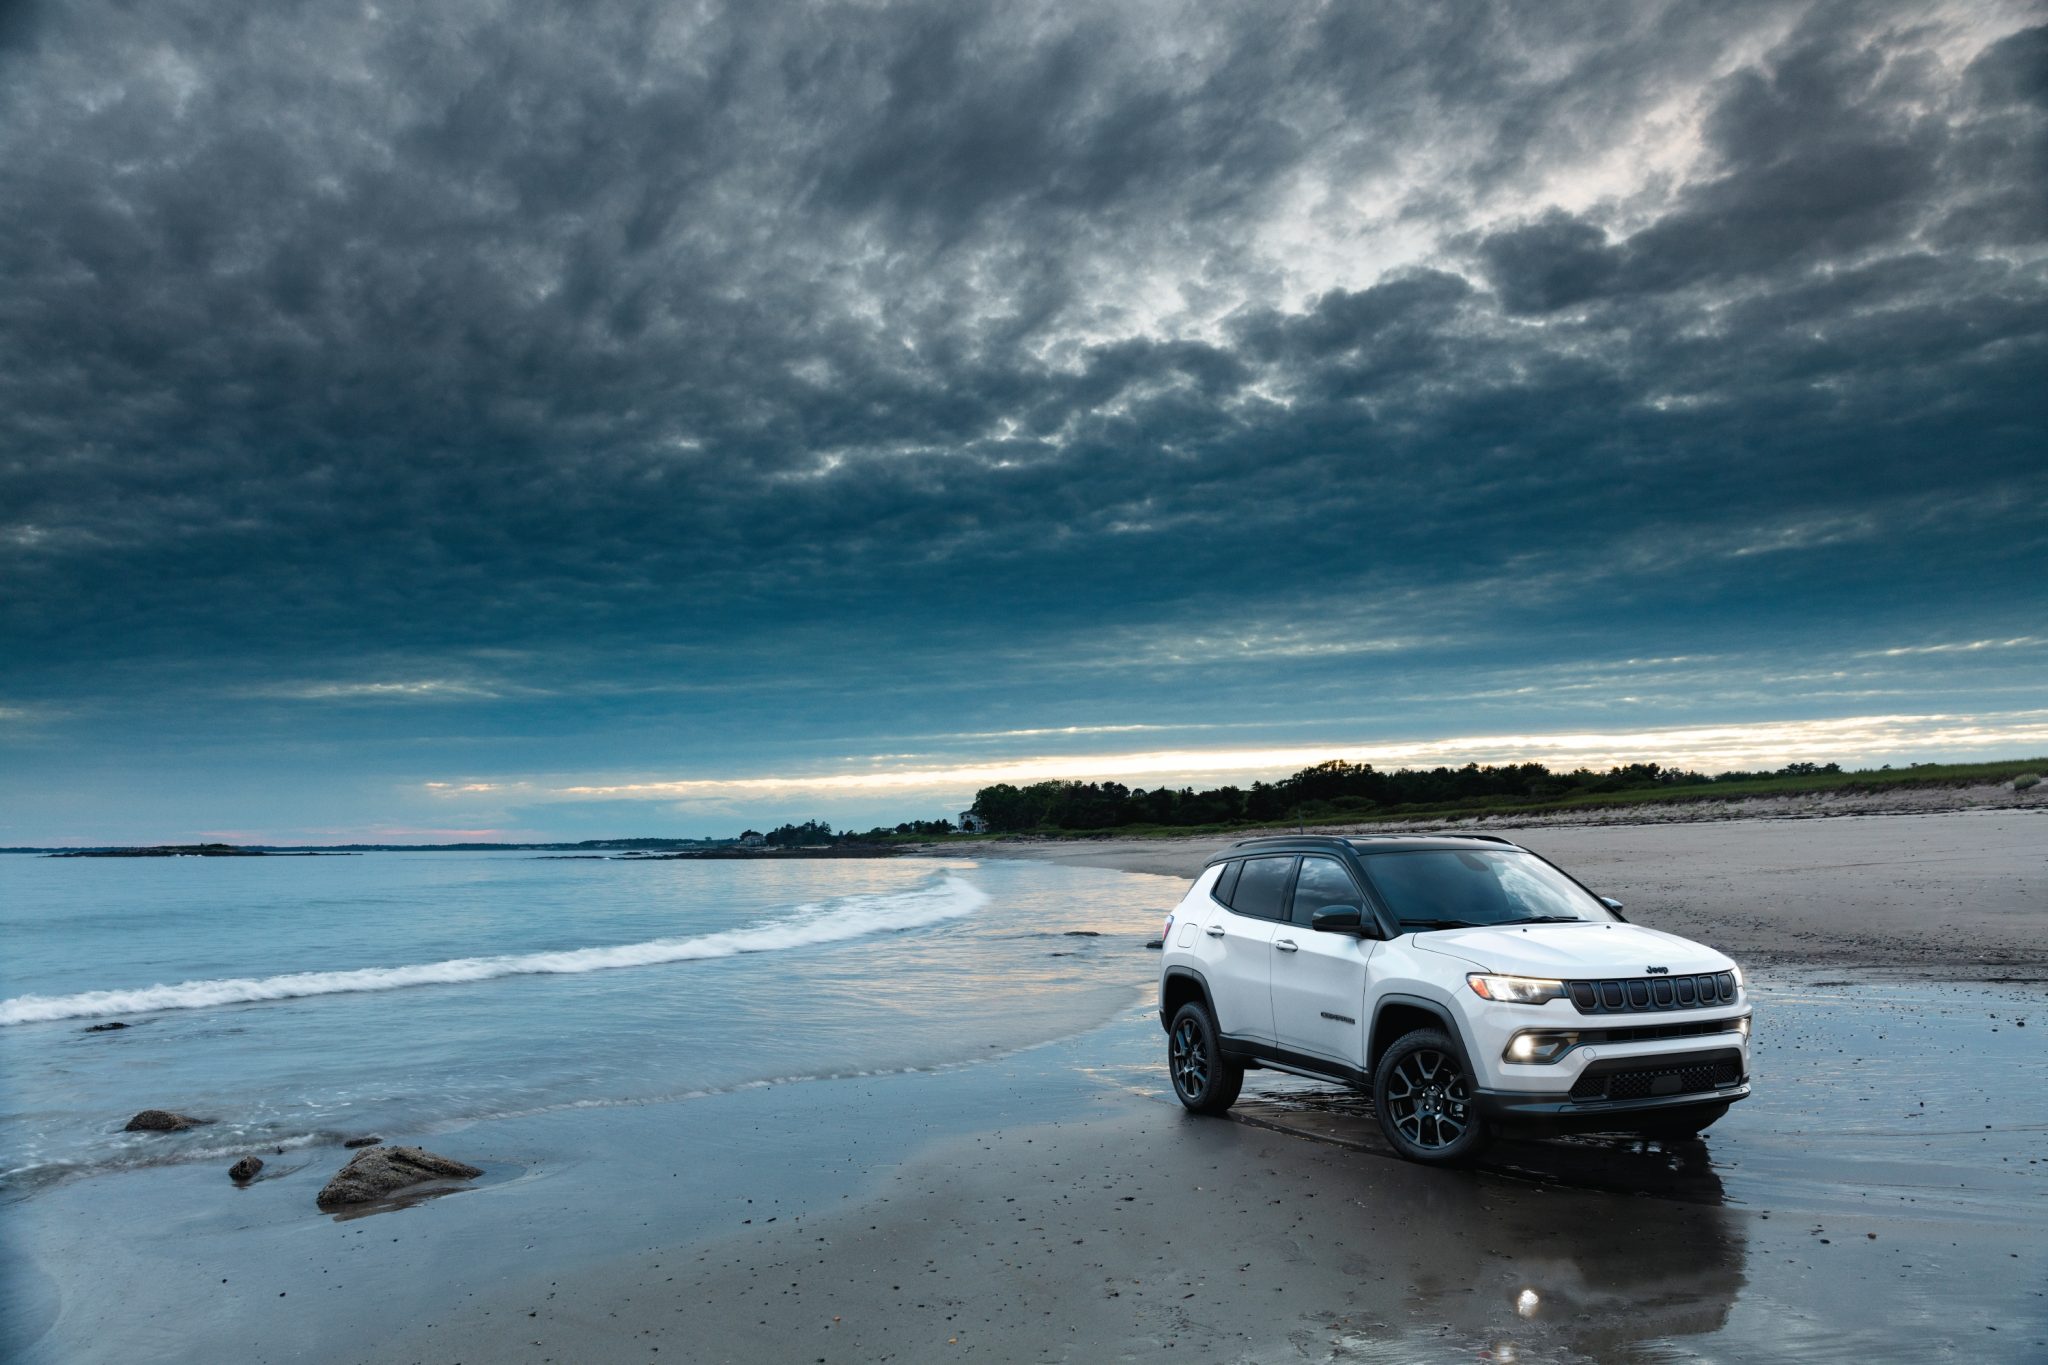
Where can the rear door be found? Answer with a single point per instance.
(1238, 956)
(1319, 979)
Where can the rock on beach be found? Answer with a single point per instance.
(379, 1172)
(160, 1121)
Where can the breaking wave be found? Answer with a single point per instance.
(826, 922)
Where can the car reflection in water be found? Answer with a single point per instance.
(1589, 1243)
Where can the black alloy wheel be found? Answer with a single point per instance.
(1423, 1097)
(1204, 1079)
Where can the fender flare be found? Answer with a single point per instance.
(1178, 972)
(1441, 1008)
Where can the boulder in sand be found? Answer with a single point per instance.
(244, 1171)
(161, 1121)
(380, 1172)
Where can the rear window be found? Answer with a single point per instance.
(1226, 882)
(1262, 887)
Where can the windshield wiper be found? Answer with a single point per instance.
(1545, 919)
(1440, 924)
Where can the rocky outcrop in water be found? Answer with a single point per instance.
(363, 1142)
(244, 1171)
(106, 1028)
(161, 1121)
(379, 1172)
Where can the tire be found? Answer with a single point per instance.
(1684, 1126)
(1422, 1095)
(1204, 1080)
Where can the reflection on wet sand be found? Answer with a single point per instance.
(1874, 1200)
(1596, 1244)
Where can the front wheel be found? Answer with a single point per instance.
(1422, 1094)
(1204, 1079)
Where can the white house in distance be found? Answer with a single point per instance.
(753, 838)
(970, 823)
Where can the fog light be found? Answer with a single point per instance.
(1539, 1046)
(1742, 1026)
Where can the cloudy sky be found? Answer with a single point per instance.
(574, 419)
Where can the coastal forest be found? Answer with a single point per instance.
(1341, 792)
(1335, 791)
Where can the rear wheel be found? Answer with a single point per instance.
(1204, 1079)
(1422, 1094)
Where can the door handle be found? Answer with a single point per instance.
(1286, 945)
(1214, 931)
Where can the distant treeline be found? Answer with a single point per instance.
(1332, 790)
(814, 832)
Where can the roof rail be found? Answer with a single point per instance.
(1354, 838)
(1438, 834)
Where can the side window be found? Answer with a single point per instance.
(1226, 882)
(1262, 887)
(1323, 882)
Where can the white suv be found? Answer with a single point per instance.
(1465, 983)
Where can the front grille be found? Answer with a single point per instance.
(1642, 994)
(1619, 1081)
(1649, 1033)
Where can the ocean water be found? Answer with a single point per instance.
(297, 1001)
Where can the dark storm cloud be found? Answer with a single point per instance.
(521, 346)
(1827, 153)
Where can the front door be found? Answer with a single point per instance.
(1319, 979)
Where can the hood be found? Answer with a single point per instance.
(1573, 952)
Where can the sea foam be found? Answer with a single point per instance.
(832, 921)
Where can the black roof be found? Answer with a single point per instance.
(1357, 843)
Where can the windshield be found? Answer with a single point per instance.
(1456, 888)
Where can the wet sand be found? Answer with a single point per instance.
(1961, 895)
(1836, 1219)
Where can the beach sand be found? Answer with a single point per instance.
(1954, 895)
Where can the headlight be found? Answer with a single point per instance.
(1514, 990)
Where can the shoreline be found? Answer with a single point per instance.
(1053, 1204)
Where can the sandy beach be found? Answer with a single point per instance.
(1878, 1198)
(1950, 894)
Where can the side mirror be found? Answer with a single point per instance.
(1338, 919)
(1612, 904)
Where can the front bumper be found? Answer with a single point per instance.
(1620, 1092)
(1509, 1109)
